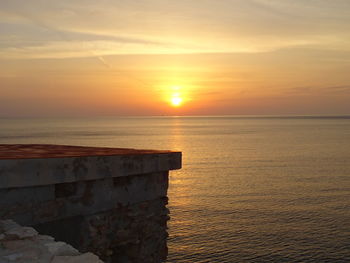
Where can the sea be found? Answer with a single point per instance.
(252, 188)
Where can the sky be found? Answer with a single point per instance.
(174, 57)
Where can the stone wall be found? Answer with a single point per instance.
(113, 206)
(129, 216)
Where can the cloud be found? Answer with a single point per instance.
(76, 49)
(169, 27)
(314, 91)
(75, 45)
(104, 62)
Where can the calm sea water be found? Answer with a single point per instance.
(251, 189)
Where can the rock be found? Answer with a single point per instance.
(84, 258)
(20, 233)
(61, 249)
(6, 225)
(13, 257)
(17, 244)
(24, 245)
(45, 237)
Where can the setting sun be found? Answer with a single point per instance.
(176, 101)
(175, 95)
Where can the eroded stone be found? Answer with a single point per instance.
(8, 224)
(84, 258)
(20, 233)
(13, 257)
(61, 249)
(24, 245)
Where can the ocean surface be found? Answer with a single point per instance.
(252, 189)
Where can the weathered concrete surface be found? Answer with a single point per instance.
(32, 151)
(111, 202)
(41, 204)
(51, 166)
(24, 245)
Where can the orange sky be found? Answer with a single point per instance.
(219, 57)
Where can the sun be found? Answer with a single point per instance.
(176, 101)
(175, 96)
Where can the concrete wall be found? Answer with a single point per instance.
(113, 206)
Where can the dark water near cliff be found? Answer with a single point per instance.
(251, 189)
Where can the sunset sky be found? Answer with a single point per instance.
(162, 57)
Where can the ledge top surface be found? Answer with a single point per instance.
(41, 151)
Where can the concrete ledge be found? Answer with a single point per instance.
(111, 202)
(37, 165)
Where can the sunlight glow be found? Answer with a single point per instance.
(176, 101)
(175, 95)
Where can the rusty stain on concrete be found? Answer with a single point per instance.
(32, 151)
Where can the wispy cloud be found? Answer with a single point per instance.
(330, 90)
(38, 29)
